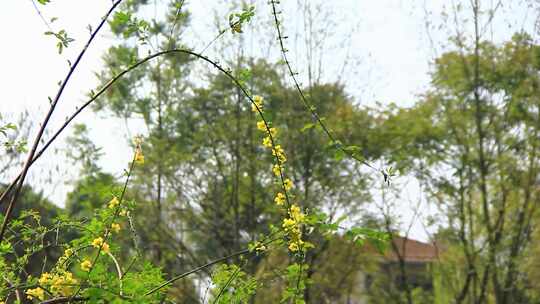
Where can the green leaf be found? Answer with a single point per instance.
(352, 149)
(334, 145)
(376, 238)
(121, 18)
(339, 155)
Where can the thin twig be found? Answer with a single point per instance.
(303, 97)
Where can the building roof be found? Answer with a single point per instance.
(412, 251)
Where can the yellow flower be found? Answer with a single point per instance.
(45, 278)
(86, 265)
(113, 203)
(257, 103)
(267, 142)
(123, 212)
(139, 157)
(277, 170)
(63, 283)
(296, 214)
(294, 210)
(115, 227)
(288, 223)
(105, 248)
(98, 242)
(68, 252)
(279, 153)
(273, 132)
(293, 246)
(278, 150)
(288, 184)
(280, 199)
(38, 293)
(261, 125)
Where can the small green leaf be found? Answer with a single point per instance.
(308, 127)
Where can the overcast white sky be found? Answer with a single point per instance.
(390, 40)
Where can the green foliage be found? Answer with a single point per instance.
(296, 282)
(20, 146)
(31, 240)
(5, 128)
(232, 285)
(462, 140)
(237, 20)
(129, 25)
(63, 39)
(360, 235)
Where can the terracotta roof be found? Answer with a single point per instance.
(411, 250)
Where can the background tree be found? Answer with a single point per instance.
(475, 135)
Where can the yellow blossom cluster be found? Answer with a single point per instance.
(98, 242)
(60, 283)
(279, 153)
(277, 150)
(37, 293)
(292, 226)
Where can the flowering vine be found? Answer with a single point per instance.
(294, 219)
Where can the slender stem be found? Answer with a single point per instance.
(229, 281)
(118, 270)
(185, 274)
(230, 256)
(64, 300)
(304, 99)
